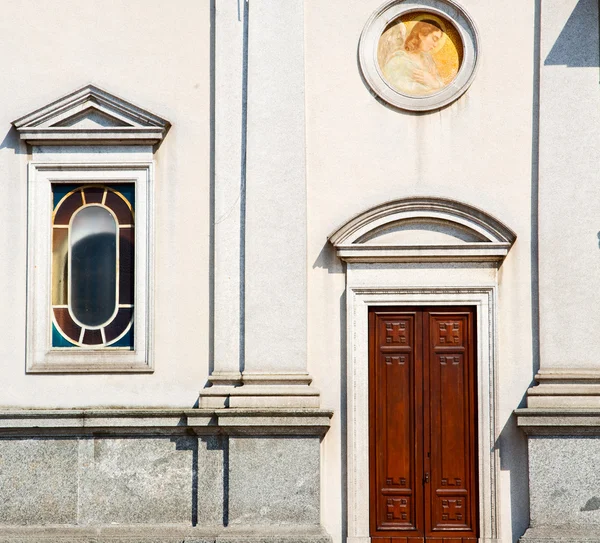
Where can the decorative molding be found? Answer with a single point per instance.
(73, 422)
(261, 390)
(568, 375)
(559, 421)
(91, 116)
(255, 389)
(271, 378)
(462, 235)
(565, 389)
(470, 234)
(447, 10)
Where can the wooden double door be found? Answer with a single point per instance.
(423, 427)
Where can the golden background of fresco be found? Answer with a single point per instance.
(448, 57)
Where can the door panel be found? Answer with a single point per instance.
(451, 414)
(399, 489)
(420, 540)
(405, 540)
(423, 425)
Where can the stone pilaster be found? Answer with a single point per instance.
(260, 302)
(229, 142)
(562, 418)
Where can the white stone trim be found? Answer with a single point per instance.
(58, 123)
(229, 141)
(41, 358)
(259, 138)
(358, 301)
(448, 275)
(494, 238)
(447, 9)
(157, 419)
(275, 307)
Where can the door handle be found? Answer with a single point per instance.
(426, 478)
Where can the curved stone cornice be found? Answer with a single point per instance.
(463, 233)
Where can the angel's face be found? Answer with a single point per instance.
(427, 43)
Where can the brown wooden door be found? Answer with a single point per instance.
(423, 406)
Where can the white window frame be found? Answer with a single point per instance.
(41, 356)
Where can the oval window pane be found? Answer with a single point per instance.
(93, 276)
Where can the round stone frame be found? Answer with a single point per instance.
(391, 10)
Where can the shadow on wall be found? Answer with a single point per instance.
(209, 472)
(328, 260)
(578, 45)
(512, 445)
(13, 141)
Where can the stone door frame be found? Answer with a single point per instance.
(392, 259)
(359, 299)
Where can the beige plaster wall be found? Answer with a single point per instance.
(361, 153)
(157, 55)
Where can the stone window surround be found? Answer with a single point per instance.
(41, 358)
(88, 136)
(372, 279)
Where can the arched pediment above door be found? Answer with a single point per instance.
(423, 229)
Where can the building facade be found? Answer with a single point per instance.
(300, 271)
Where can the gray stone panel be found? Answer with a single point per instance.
(564, 479)
(38, 481)
(149, 480)
(211, 451)
(113, 487)
(273, 480)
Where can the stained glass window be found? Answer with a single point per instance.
(93, 266)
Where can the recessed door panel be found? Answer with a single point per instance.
(423, 425)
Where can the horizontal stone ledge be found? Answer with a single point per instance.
(263, 390)
(560, 422)
(164, 534)
(562, 534)
(568, 375)
(471, 252)
(91, 136)
(14, 422)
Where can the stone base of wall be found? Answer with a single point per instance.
(150, 476)
(163, 534)
(561, 534)
(564, 479)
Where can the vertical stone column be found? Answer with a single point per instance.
(562, 418)
(275, 265)
(260, 302)
(569, 203)
(229, 168)
(276, 189)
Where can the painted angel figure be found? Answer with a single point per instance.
(410, 68)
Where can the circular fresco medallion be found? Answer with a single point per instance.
(419, 56)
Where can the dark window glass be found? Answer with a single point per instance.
(93, 263)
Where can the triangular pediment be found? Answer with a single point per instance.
(91, 118)
(91, 115)
(423, 229)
